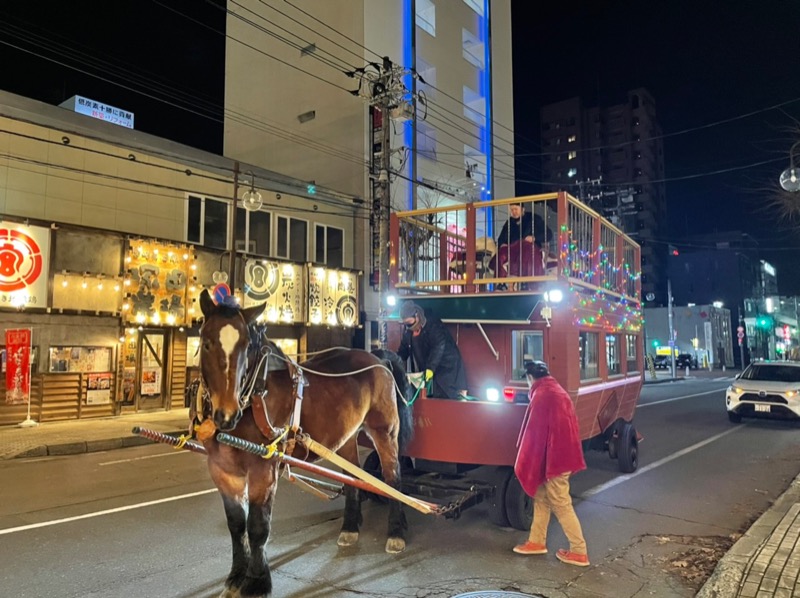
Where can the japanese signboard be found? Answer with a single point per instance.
(99, 110)
(18, 365)
(157, 278)
(24, 264)
(332, 299)
(278, 285)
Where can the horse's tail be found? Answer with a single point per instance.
(395, 364)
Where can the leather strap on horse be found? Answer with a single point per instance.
(325, 453)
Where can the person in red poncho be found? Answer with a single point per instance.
(549, 451)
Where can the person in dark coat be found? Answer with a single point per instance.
(549, 452)
(518, 251)
(432, 350)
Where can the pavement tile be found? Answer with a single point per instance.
(768, 584)
(773, 571)
(783, 593)
(749, 590)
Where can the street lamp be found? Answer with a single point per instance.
(790, 178)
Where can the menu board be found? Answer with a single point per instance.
(80, 359)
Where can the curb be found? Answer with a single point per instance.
(729, 574)
(663, 380)
(88, 446)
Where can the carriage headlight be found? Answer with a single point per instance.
(554, 296)
(492, 394)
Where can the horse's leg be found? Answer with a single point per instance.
(352, 505)
(231, 489)
(261, 491)
(386, 445)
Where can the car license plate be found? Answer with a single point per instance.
(763, 408)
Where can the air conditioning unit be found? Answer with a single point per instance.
(403, 112)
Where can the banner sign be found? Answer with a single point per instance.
(279, 285)
(24, 265)
(98, 391)
(158, 275)
(18, 366)
(332, 298)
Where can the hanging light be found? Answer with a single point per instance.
(251, 199)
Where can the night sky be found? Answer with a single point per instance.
(704, 61)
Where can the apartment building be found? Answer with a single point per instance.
(612, 157)
(292, 108)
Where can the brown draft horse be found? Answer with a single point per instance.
(358, 392)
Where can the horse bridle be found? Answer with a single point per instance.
(253, 385)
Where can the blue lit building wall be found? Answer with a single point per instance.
(486, 132)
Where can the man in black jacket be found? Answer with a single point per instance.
(432, 350)
(517, 246)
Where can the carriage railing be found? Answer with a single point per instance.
(457, 249)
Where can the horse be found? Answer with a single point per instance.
(342, 390)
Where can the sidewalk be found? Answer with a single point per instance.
(764, 563)
(88, 435)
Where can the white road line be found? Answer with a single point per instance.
(145, 457)
(699, 394)
(150, 503)
(659, 463)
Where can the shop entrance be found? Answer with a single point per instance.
(152, 369)
(144, 377)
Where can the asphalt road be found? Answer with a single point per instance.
(146, 521)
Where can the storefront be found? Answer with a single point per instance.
(115, 328)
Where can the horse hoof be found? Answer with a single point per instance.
(230, 593)
(395, 545)
(347, 538)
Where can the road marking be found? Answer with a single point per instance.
(699, 394)
(659, 463)
(150, 503)
(145, 457)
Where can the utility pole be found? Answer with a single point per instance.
(232, 232)
(671, 329)
(381, 84)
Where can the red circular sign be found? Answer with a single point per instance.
(20, 260)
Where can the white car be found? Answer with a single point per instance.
(765, 389)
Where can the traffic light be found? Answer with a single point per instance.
(764, 322)
(656, 343)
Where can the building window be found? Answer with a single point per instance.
(472, 49)
(525, 346)
(571, 139)
(329, 246)
(474, 106)
(253, 231)
(426, 16)
(207, 222)
(572, 172)
(572, 155)
(588, 355)
(426, 140)
(613, 349)
(476, 5)
(635, 121)
(427, 73)
(292, 239)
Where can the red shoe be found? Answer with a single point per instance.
(572, 558)
(530, 548)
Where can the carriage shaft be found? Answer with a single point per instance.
(189, 445)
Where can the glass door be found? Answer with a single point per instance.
(152, 369)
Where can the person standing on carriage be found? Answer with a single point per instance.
(549, 452)
(432, 350)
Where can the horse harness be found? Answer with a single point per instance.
(253, 393)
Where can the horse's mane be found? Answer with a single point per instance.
(395, 364)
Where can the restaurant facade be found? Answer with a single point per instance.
(108, 237)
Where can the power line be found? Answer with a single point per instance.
(674, 133)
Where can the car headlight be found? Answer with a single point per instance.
(792, 393)
(736, 390)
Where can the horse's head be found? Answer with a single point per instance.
(223, 356)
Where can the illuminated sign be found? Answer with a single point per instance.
(332, 297)
(24, 261)
(279, 285)
(99, 110)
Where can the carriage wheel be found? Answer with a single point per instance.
(499, 478)
(519, 506)
(628, 449)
